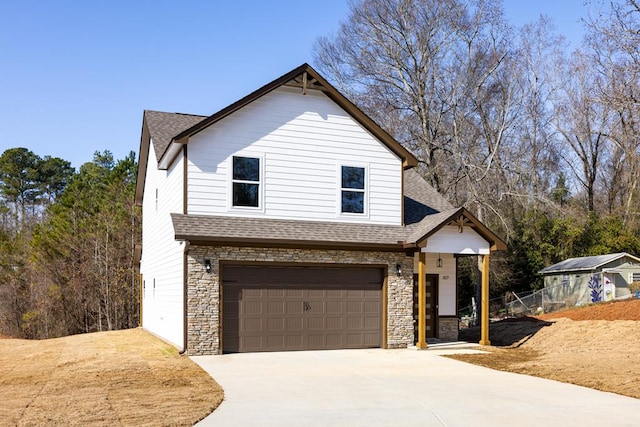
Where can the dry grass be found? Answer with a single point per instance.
(107, 378)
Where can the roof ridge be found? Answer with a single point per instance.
(175, 112)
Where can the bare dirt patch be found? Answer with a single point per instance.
(107, 378)
(618, 310)
(591, 352)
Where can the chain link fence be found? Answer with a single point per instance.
(522, 304)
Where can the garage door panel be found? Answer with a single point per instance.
(249, 293)
(294, 292)
(317, 323)
(371, 339)
(335, 323)
(316, 293)
(371, 322)
(278, 293)
(355, 293)
(334, 307)
(370, 293)
(293, 342)
(317, 341)
(251, 342)
(334, 340)
(354, 307)
(275, 308)
(275, 341)
(295, 307)
(354, 323)
(354, 340)
(251, 307)
(371, 306)
(276, 325)
(251, 324)
(294, 324)
(334, 293)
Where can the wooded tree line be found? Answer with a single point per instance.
(66, 245)
(542, 143)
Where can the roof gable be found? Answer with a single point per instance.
(158, 129)
(164, 126)
(305, 78)
(420, 232)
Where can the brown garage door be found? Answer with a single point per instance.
(280, 308)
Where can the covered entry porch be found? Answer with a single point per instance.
(435, 273)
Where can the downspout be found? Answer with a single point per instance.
(185, 294)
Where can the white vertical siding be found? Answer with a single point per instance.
(162, 257)
(302, 141)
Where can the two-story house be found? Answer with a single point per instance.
(289, 220)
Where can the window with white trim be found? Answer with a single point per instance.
(635, 277)
(246, 182)
(353, 190)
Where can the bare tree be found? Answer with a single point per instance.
(537, 166)
(613, 40)
(583, 124)
(434, 74)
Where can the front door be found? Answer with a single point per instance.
(432, 306)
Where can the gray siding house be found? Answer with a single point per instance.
(585, 280)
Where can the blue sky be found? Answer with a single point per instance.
(75, 76)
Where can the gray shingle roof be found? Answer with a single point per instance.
(164, 126)
(239, 229)
(585, 263)
(421, 199)
(429, 223)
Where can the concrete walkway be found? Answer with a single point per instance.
(398, 388)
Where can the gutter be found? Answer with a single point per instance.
(185, 305)
(576, 271)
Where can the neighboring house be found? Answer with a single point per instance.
(290, 220)
(585, 280)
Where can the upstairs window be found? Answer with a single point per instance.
(246, 182)
(353, 189)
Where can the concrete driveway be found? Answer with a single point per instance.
(398, 388)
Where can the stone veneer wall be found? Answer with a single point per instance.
(448, 328)
(203, 294)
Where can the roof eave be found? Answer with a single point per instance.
(145, 144)
(173, 149)
(568, 270)
(315, 244)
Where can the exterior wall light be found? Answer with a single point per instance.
(439, 262)
(398, 269)
(207, 265)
